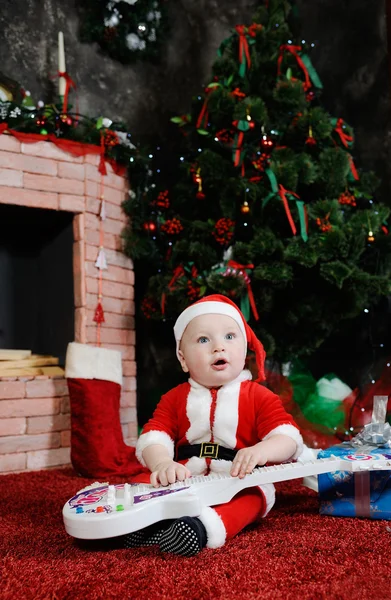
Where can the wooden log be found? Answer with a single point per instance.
(32, 371)
(52, 371)
(33, 361)
(14, 354)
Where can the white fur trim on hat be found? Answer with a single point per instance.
(151, 438)
(89, 362)
(206, 308)
(290, 431)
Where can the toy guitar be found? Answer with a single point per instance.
(102, 511)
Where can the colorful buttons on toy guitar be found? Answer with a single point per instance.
(100, 509)
(79, 509)
(120, 507)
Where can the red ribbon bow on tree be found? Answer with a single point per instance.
(179, 271)
(294, 50)
(239, 145)
(242, 268)
(203, 116)
(282, 193)
(345, 138)
(244, 51)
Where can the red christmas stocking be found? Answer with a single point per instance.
(94, 378)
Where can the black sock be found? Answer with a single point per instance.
(185, 537)
(149, 536)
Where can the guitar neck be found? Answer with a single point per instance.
(218, 489)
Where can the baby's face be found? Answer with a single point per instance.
(213, 350)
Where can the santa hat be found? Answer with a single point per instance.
(217, 304)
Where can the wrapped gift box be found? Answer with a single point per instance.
(360, 494)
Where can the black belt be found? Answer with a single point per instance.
(205, 450)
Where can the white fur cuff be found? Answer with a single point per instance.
(289, 431)
(152, 438)
(269, 491)
(215, 530)
(90, 362)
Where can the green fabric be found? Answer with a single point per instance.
(315, 408)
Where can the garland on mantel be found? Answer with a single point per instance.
(49, 122)
(126, 30)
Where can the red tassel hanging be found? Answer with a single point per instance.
(99, 316)
(102, 166)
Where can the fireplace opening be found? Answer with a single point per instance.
(36, 280)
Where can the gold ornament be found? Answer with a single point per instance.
(198, 180)
(10, 90)
(245, 207)
(371, 237)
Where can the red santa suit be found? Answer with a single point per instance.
(237, 415)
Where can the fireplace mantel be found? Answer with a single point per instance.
(34, 411)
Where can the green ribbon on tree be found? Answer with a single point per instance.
(311, 71)
(237, 146)
(247, 301)
(245, 306)
(244, 50)
(274, 185)
(299, 203)
(223, 46)
(303, 220)
(273, 180)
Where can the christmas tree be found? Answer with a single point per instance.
(266, 204)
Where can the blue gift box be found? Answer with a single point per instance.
(360, 494)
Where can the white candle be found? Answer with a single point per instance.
(61, 64)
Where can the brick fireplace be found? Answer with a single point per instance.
(34, 411)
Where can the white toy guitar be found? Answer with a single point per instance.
(102, 511)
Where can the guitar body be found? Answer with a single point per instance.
(104, 511)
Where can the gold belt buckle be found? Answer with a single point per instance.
(209, 450)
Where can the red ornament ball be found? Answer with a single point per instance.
(149, 226)
(310, 96)
(267, 144)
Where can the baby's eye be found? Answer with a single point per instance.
(230, 336)
(202, 339)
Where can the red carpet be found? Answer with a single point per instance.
(294, 554)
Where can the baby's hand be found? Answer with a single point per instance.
(168, 471)
(247, 459)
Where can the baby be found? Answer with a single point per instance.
(243, 423)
